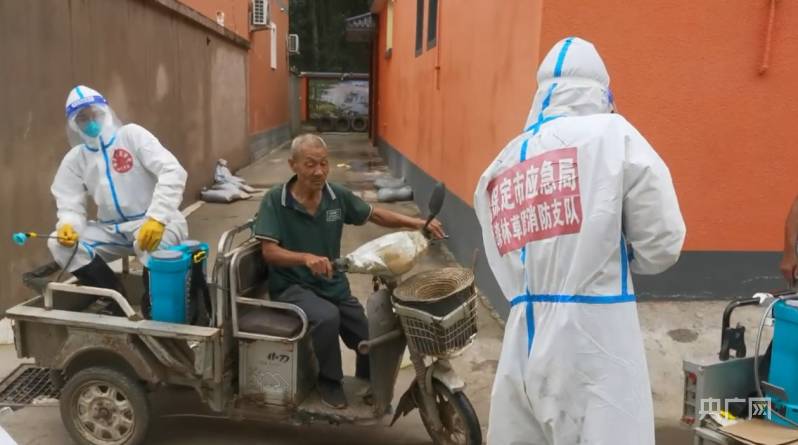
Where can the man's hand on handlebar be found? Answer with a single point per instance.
(319, 265)
(435, 229)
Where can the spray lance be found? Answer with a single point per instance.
(21, 237)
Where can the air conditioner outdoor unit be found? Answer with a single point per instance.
(261, 13)
(293, 44)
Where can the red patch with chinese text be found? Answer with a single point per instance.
(122, 160)
(536, 199)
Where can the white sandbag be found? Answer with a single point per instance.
(224, 175)
(232, 188)
(389, 183)
(395, 194)
(227, 186)
(246, 188)
(234, 185)
(223, 193)
(217, 196)
(394, 254)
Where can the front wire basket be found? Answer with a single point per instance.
(438, 311)
(440, 337)
(435, 285)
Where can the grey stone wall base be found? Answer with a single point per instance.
(264, 142)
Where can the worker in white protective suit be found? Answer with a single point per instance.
(567, 209)
(136, 183)
(5, 438)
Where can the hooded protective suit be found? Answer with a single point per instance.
(5, 438)
(129, 174)
(567, 209)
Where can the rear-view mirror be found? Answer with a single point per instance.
(436, 200)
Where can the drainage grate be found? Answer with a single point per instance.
(28, 385)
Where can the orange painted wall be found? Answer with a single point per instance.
(453, 129)
(684, 72)
(268, 88)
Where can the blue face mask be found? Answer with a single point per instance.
(91, 129)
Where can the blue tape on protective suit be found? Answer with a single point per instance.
(111, 181)
(119, 232)
(126, 244)
(561, 57)
(579, 299)
(529, 298)
(88, 249)
(530, 315)
(103, 145)
(118, 208)
(624, 268)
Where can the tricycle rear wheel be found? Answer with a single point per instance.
(460, 422)
(102, 406)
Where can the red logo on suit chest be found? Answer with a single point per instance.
(122, 160)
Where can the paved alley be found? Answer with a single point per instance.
(42, 425)
(672, 331)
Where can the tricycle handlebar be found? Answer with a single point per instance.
(340, 265)
(343, 264)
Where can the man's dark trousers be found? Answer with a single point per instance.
(328, 320)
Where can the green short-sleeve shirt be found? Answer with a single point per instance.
(283, 220)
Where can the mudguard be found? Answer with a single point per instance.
(113, 344)
(385, 358)
(442, 372)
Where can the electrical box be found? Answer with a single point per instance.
(261, 13)
(293, 44)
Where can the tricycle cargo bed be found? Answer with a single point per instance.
(25, 312)
(68, 304)
(60, 331)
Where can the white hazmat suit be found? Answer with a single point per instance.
(130, 176)
(567, 209)
(5, 438)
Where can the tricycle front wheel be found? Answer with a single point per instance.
(102, 406)
(460, 422)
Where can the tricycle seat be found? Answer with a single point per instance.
(254, 315)
(270, 321)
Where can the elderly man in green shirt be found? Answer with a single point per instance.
(300, 225)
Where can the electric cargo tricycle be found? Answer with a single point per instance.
(255, 360)
(737, 384)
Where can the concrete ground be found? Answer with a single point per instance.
(672, 332)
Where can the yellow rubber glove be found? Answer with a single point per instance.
(67, 236)
(150, 235)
